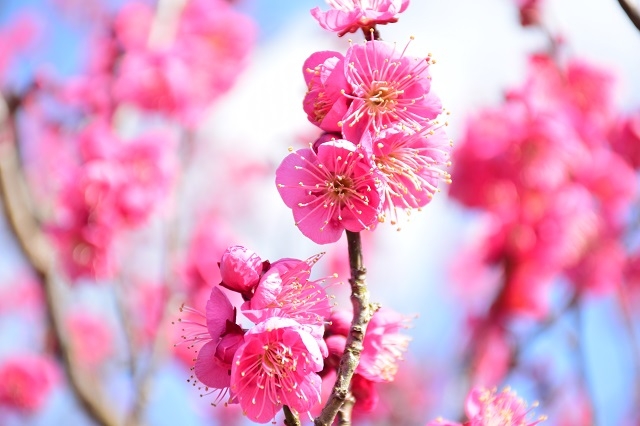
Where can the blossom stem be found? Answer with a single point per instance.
(632, 12)
(39, 253)
(290, 419)
(363, 311)
(371, 33)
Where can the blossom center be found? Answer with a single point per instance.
(382, 97)
(340, 187)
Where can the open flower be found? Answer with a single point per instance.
(221, 337)
(324, 104)
(286, 291)
(346, 16)
(411, 166)
(485, 407)
(330, 191)
(276, 366)
(389, 89)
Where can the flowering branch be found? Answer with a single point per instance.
(631, 11)
(363, 311)
(37, 251)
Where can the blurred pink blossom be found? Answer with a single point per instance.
(26, 381)
(90, 338)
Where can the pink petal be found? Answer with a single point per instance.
(218, 311)
(209, 370)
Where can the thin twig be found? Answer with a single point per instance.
(127, 325)
(581, 361)
(39, 253)
(632, 12)
(363, 310)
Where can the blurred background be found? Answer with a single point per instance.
(196, 102)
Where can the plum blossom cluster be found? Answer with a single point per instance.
(383, 149)
(383, 347)
(117, 185)
(488, 407)
(276, 361)
(540, 165)
(101, 172)
(283, 357)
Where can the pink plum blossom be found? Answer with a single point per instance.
(118, 186)
(276, 366)
(222, 338)
(578, 93)
(26, 381)
(489, 407)
(90, 338)
(625, 139)
(84, 227)
(347, 16)
(183, 73)
(411, 166)
(329, 191)
(383, 346)
(324, 103)
(389, 89)
(200, 270)
(363, 389)
(486, 407)
(530, 12)
(16, 35)
(286, 291)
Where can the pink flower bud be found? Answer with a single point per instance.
(240, 269)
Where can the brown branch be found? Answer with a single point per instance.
(345, 412)
(632, 12)
(290, 419)
(39, 253)
(363, 310)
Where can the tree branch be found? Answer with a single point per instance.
(39, 253)
(290, 419)
(363, 310)
(632, 12)
(346, 411)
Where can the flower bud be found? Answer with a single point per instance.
(240, 269)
